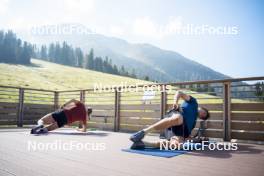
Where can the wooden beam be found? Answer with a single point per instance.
(227, 111)
(163, 100)
(82, 96)
(20, 112)
(117, 110)
(56, 100)
(151, 107)
(211, 107)
(247, 106)
(163, 107)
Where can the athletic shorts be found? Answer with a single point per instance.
(60, 117)
(178, 130)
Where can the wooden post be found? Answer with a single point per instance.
(163, 103)
(82, 99)
(117, 110)
(163, 108)
(56, 100)
(82, 96)
(227, 111)
(20, 114)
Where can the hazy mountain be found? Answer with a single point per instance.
(158, 64)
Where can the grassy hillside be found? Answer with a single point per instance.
(50, 76)
(46, 75)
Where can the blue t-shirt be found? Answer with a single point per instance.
(189, 113)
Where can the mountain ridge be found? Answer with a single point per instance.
(148, 60)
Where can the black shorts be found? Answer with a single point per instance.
(60, 117)
(178, 130)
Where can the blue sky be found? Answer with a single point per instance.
(239, 54)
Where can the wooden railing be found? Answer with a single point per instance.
(237, 112)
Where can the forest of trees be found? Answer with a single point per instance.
(67, 55)
(13, 50)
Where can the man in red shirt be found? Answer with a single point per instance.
(70, 112)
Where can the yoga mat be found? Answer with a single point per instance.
(164, 153)
(157, 152)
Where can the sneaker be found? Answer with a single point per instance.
(34, 130)
(138, 145)
(42, 131)
(136, 137)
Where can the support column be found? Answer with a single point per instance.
(163, 107)
(56, 100)
(82, 96)
(117, 110)
(20, 114)
(227, 111)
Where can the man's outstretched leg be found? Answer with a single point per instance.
(46, 120)
(174, 120)
(174, 142)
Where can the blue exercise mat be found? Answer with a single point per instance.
(162, 153)
(157, 152)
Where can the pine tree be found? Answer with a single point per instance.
(51, 52)
(133, 74)
(43, 53)
(57, 54)
(26, 53)
(79, 57)
(146, 78)
(115, 70)
(9, 47)
(90, 60)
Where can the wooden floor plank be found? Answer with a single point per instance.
(16, 159)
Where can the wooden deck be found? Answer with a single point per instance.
(16, 159)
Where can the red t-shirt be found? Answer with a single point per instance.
(75, 112)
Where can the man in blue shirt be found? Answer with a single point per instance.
(181, 120)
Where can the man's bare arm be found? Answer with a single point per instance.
(180, 95)
(84, 127)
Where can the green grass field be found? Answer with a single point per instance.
(46, 75)
(50, 76)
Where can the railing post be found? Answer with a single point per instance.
(56, 100)
(163, 107)
(117, 110)
(20, 114)
(82, 96)
(163, 103)
(227, 111)
(82, 99)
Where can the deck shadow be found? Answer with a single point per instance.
(242, 149)
(100, 134)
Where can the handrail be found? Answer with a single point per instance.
(153, 84)
(25, 88)
(186, 83)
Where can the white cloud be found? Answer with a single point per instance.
(3, 6)
(77, 10)
(116, 30)
(79, 6)
(147, 27)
